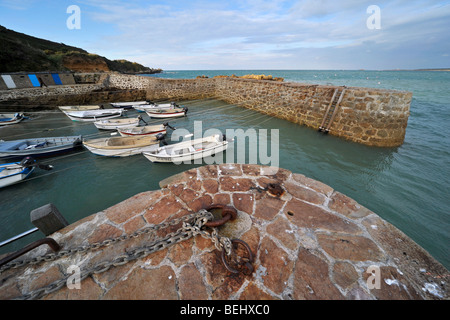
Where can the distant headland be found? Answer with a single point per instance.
(23, 53)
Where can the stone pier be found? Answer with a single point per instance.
(370, 116)
(309, 242)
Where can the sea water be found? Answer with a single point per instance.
(408, 185)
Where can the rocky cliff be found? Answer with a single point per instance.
(23, 53)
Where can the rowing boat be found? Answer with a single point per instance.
(121, 146)
(116, 124)
(10, 118)
(38, 147)
(14, 172)
(145, 107)
(166, 112)
(78, 108)
(94, 115)
(186, 151)
(143, 131)
(129, 105)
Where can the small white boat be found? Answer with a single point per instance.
(10, 118)
(186, 151)
(94, 115)
(38, 147)
(128, 105)
(121, 146)
(116, 124)
(166, 112)
(14, 172)
(143, 131)
(78, 108)
(145, 107)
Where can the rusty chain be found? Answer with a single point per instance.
(188, 230)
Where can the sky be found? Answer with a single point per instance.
(245, 34)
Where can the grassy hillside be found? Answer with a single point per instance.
(21, 52)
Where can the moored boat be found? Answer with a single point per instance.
(121, 146)
(78, 108)
(145, 107)
(10, 118)
(14, 172)
(38, 147)
(94, 115)
(115, 124)
(166, 112)
(151, 130)
(143, 131)
(187, 151)
(129, 105)
(11, 173)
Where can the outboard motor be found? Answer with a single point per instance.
(160, 138)
(141, 119)
(28, 162)
(185, 110)
(166, 124)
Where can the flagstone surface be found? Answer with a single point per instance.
(309, 242)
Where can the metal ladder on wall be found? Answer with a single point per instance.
(333, 106)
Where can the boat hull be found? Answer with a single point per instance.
(188, 157)
(121, 146)
(55, 145)
(111, 125)
(7, 119)
(142, 131)
(125, 152)
(9, 177)
(128, 105)
(92, 116)
(145, 107)
(163, 115)
(78, 108)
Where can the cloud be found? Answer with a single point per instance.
(268, 34)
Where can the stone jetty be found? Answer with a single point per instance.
(369, 116)
(308, 242)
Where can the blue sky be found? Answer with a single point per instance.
(253, 34)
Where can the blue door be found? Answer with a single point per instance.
(56, 78)
(34, 80)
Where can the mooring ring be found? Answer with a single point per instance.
(228, 213)
(248, 263)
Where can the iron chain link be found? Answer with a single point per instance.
(187, 231)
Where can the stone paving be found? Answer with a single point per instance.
(310, 242)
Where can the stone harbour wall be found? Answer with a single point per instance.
(370, 116)
(375, 117)
(309, 242)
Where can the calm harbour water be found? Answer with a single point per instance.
(407, 186)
